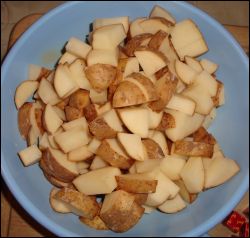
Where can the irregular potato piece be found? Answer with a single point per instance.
(79, 154)
(136, 183)
(156, 40)
(80, 204)
(140, 198)
(63, 103)
(165, 88)
(173, 205)
(120, 212)
(100, 76)
(158, 11)
(30, 155)
(99, 181)
(128, 94)
(153, 149)
(114, 84)
(57, 205)
(72, 113)
(39, 119)
(90, 112)
(101, 130)
(201, 135)
(135, 42)
(24, 119)
(77, 123)
(188, 197)
(193, 148)
(55, 181)
(135, 28)
(96, 223)
(98, 163)
(24, 91)
(216, 99)
(111, 155)
(55, 163)
(79, 99)
(167, 121)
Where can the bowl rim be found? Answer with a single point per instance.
(61, 231)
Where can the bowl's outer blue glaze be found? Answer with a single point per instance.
(42, 44)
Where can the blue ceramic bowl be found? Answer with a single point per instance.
(42, 43)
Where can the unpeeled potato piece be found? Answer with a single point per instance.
(24, 119)
(79, 99)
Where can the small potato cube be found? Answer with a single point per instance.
(30, 155)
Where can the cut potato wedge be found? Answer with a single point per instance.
(191, 148)
(103, 57)
(120, 212)
(108, 37)
(56, 204)
(166, 189)
(47, 93)
(95, 223)
(188, 197)
(30, 155)
(79, 99)
(135, 28)
(155, 24)
(72, 139)
(150, 60)
(136, 42)
(136, 120)
(155, 118)
(99, 181)
(36, 72)
(181, 103)
(98, 97)
(193, 175)
(132, 66)
(146, 165)
(167, 121)
(173, 205)
(153, 149)
(111, 152)
(157, 39)
(56, 163)
(51, 120)
(186, 73)
(184, 124)
(208, 65)
(78, 47)
(187, 39)
(99, 22)
(67, 58)
(133, 145)
(193, 63)
(79, 204)
(219, 171)
(77, 123)
(160, 139)
(44, 142)
(93, 145)
(63, 81)
(171, 166)
(158, 11)
(60, 113)
(136, 183)
(79, 154)
(98, 163)
(25, 90)
(128, 94)
(100, 76)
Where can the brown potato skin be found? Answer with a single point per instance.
(165, 88)
(161, 72)
(72, 113)
(90, 113)
(167, 121)
(128, 94)
(63, 103)
(121, 218)
(157, 39)
(135, 42)
(191, 148)
(54, 181)
(79, 99)
(140, 198)
(53, 168)
(96, 223)
(201, 135)
(100, 76)
(85, 204)
(154, 151)
(216, 97)
(114, 84)
(146, 82)
(23, 119)
(101, 130)
(113, 158)
(39, 119)
(136, 185)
